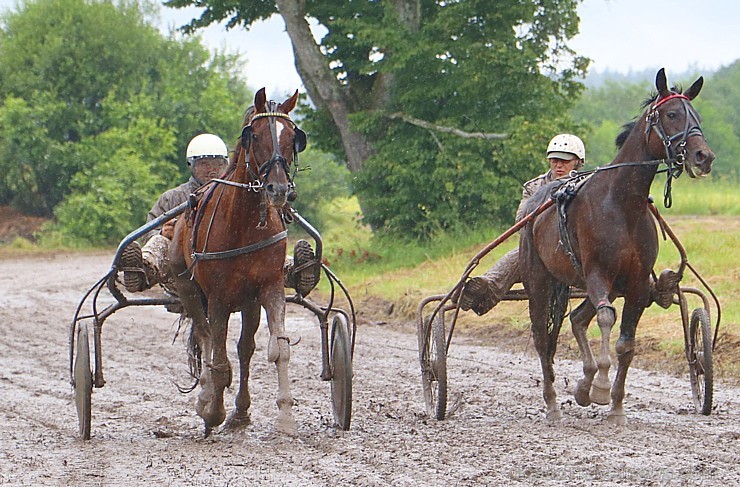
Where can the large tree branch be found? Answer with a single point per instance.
(449, 130)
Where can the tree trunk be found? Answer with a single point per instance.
(321, 85)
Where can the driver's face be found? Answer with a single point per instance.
(562, 167)
(209, 167)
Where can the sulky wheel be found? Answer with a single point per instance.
(83, 381)
(341, 372)
(700, 361)
(434, 367)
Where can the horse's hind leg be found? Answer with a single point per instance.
(538, 312)
(216, 374)
(278, 351)
(580, 319)
(245, 350)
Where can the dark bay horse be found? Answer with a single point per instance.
(608, 246)
(227, 255)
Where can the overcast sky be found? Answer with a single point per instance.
(618, 35)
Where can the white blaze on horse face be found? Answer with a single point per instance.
(278, 130)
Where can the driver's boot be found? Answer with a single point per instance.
(478, 295)
(302, 274)
(138, 275)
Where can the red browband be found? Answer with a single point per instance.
(669, 97)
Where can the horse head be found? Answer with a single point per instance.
(673, 128)
(271, 141)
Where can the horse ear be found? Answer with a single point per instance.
(661, 83)
(260, 101)
(288, 105)
(694, 90)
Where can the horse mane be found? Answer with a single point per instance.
(629, 126)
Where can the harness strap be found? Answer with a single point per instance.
(563, 196)
(227, 254)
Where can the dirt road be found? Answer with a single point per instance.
(146, 432)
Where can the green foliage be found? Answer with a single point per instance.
(104, 202)
(97, 107)
(320, 180)
(473, 65)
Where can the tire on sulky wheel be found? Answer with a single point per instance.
(341, 372)
(83, 381)
(433, 356)
(700, 361)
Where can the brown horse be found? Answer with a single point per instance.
(227, 255)
(608, 246)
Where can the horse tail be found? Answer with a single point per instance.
(195, 364)
(557, 307)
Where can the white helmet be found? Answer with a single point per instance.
(565, 146)
(206, 145)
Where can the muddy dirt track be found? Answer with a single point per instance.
(146, 433)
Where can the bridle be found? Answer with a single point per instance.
(277, 158)
(692, 127)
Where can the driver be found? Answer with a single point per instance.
(143, 267)
(565, 153)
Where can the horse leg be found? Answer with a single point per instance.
(634, 305)
(538, 313)
(598, 293)
(217, 371)
(245, 350)
(278, 351)
(580, 318)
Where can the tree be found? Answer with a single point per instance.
(474, 65)
(73, 70)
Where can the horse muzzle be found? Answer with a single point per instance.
(699, 162)
(277, 193)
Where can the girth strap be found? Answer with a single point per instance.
(227, 254)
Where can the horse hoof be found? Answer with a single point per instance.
(581, 394)
(554, 416)
(286, 425)
(617, 419)
(236, 421)
(599, 395)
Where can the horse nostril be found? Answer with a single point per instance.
(704, 160)
(704, 157)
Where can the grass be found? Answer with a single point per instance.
(705, 216)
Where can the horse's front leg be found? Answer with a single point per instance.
(580, 319)
(606, 315)
(278, 351)
(634, 305)
(216, 374)
(245, 350)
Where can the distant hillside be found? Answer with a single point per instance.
(596, 79)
